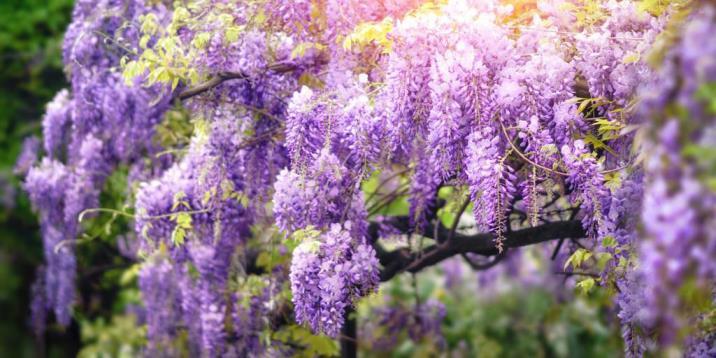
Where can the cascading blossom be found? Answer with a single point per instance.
(490, 179)
(678, 208)
(28, 155)
(46, 185)
(243, 126)
(328, 274)
(317, 197)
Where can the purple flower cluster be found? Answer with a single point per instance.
(55, 122)
(210, 184)
(678, 211)
(318, 197)
(87, 132)
(490, 179)
(609, 58)
(46, 185)
(635, 315)
(305, 131)
(28, 155)
(446, 87)
(423, 190)
(328, 274)
(421, 322)
(38, 309)
(587, 185)
(156, 280)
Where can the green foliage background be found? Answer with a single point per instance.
(30, 74)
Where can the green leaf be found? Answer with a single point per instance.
(366, 33)
(609, 241)
(309, 80)
(175, 82)
(264, 260)
(549, 149)
(577, 258)
(707, 93)
(130, 274)
(583, 106)
(181, 14)
(623, 263)
(307, 233)
(201, 40)
(657, 7)
(598, 143)
(370, 185)
(613, 181)
(447, 217)
(244, 200)
(631, 57)
(150, 24)
(705, 158)
(586, 285)
(183, 220)
(313, 345)
(260, 17)
(602, 259)
(178, 236)
(348, 43)
(232, 34)
(299, 50)
(208, 195)
(606, 126)
(398, 207)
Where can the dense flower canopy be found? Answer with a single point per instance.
(269, 146)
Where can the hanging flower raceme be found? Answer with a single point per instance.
(678, 206)
(328, 273)
(324, 194)
(491, 181)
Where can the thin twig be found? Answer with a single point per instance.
(386, 200)
(523, 156)
(150, 217)
(278, 67)
(556, 249)
(209, 84)
(385, 181)
(590, 274)
(457, 218)
(528, 160)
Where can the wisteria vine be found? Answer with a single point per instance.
(268, 147)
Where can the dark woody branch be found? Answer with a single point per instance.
(401, 260)
(209, 84)
(219, 78)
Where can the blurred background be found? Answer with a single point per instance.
(30, 75)
(540, 317)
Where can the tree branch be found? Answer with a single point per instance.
(477, 266)
(209, 84)
(278, 67)
(349, 335)
(400, 260)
